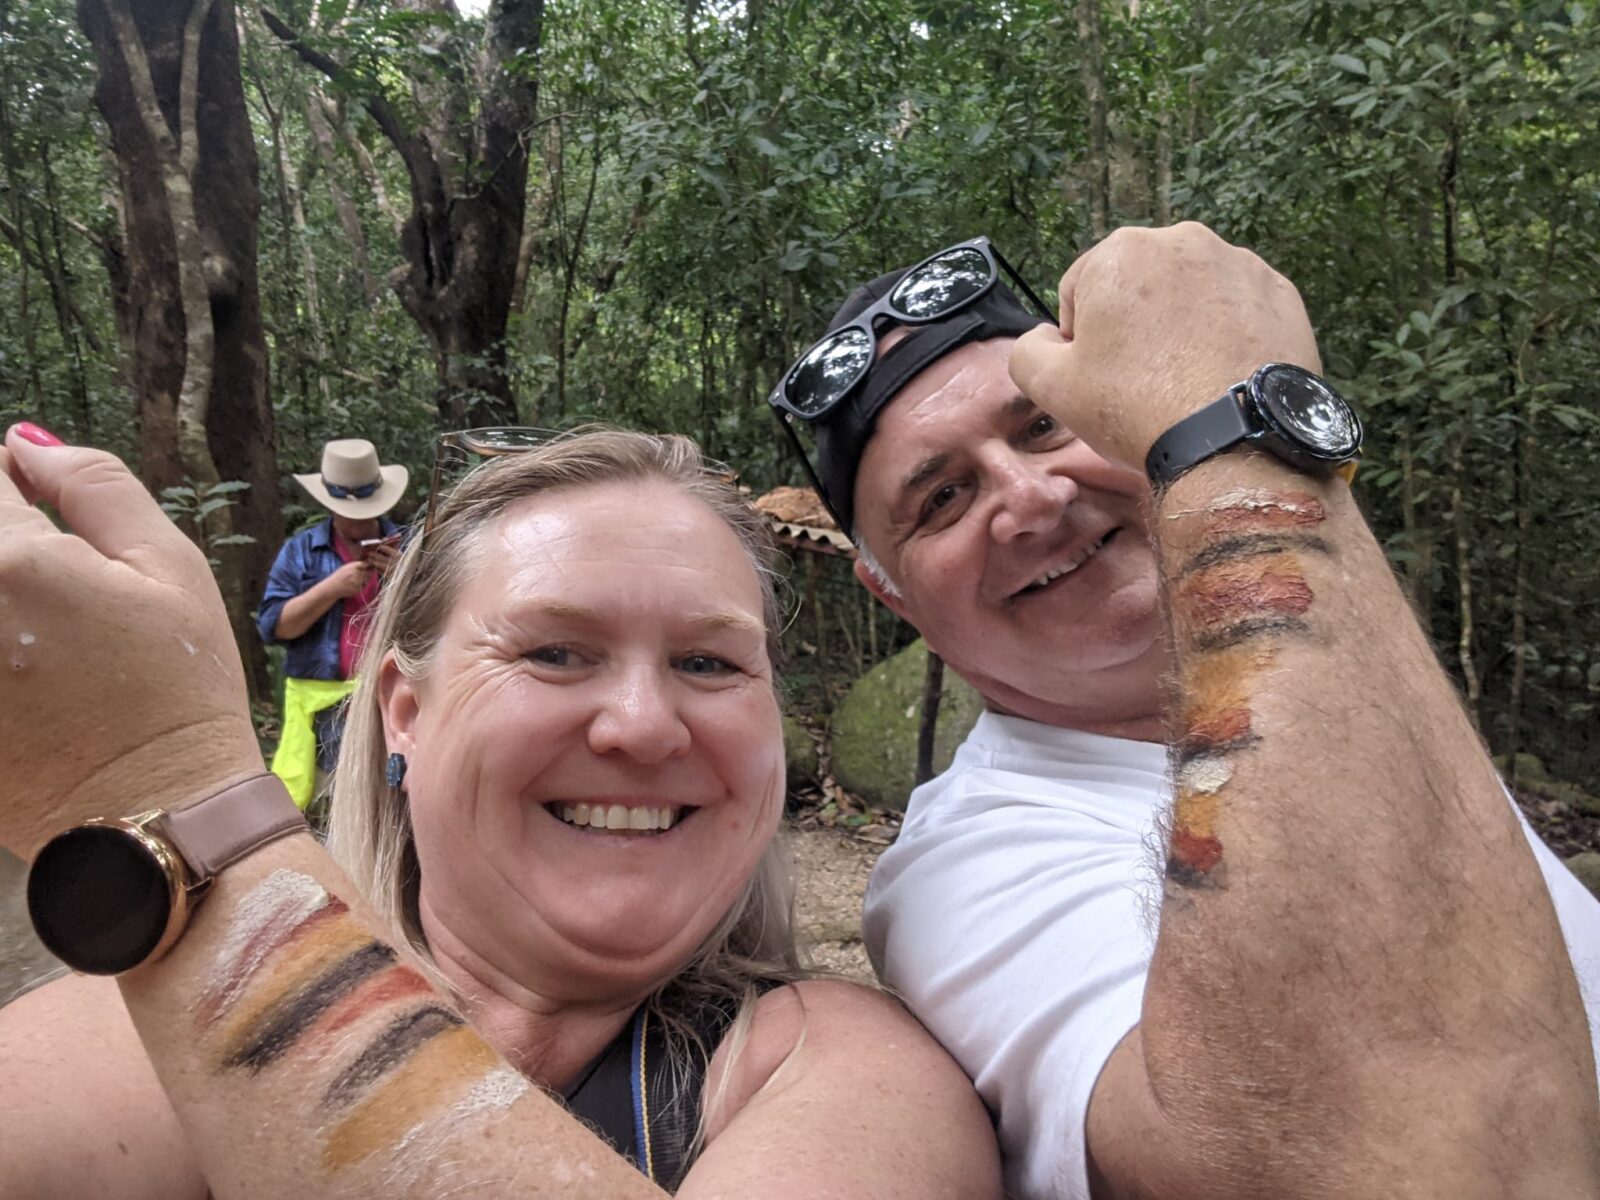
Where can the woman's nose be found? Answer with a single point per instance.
(639, 718)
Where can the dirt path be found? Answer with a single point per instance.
(21, 957)
(832, 869)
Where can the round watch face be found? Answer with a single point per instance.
(1309, 412)
(99, 899)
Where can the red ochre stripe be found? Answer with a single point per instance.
(1292, 510)
(1197, 853)
(267, 941)
(1236, 591)
(399, 983)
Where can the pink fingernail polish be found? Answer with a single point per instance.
(37, 435)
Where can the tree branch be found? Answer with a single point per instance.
(19, 243)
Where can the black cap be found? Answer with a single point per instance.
(842, 434)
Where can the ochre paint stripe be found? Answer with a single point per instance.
(431, 1079)
(378, 991)
(275, 933)
(290, 971)
(283, 1025)
(397, 1042)
(1264, 511)
(1272, 585)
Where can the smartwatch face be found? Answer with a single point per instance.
(98, 899)
(1309, 412)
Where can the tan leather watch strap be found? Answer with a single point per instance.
(224, 827)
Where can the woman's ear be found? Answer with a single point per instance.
(400, 703)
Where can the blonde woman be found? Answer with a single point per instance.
(558, 957)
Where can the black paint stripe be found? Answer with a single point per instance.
(1252, 545)
(1188, 750)
(288, 1020)
(1243, 631)
(392, 1047)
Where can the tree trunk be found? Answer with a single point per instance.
(349, 218)
(1463, 532)
(1519, 602)
(1091, 70)
(928, 725)
(1418, 540)
(169, 90)
(468, 182)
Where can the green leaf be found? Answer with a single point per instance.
(981, 134)
(795, 257)
(227, 486)
(770, 149)
(1350, 63)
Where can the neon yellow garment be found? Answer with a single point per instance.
(295, 761)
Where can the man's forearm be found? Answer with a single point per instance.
(303, 611)
(1358, 967)
(306, 1055)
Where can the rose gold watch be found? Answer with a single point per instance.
(110, 894)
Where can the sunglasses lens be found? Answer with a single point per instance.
(827, 371)
(942, 283)
(507, 440)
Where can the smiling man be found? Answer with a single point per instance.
(1236, 632)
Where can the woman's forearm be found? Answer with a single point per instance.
(306, 1054)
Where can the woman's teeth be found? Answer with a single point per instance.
(617, 816)
(1071, 564)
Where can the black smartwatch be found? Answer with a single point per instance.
(1282, 409)
(110, 894)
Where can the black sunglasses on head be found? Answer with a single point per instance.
(825, 375)
(938, 286)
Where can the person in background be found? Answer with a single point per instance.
(319, 601)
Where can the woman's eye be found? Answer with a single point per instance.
(704, 664)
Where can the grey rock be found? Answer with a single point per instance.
(874, 731)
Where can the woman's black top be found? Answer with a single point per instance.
(635, 1098)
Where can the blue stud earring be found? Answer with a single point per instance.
(395, 771)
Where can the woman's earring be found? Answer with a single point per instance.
(395, 771)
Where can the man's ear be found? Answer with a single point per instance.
(400, 704)
(887, 598)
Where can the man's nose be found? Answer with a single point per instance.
(639, 717)
(1030, 498)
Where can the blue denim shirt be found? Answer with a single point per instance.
(306, 560)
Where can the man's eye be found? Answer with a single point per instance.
(704, 664)
(942, 497)
(551, 656)
(1042, 425)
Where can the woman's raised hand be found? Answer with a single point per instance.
(120, 685)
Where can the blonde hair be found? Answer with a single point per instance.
(369, 831)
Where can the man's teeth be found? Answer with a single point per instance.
(617, 816)
(1071, 564)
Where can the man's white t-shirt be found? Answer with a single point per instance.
(1017, 912)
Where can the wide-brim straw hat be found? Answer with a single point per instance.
(353, 483)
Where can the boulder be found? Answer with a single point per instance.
(874, 730)
(803, 764)
(1586, 867)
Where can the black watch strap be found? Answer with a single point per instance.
(1213, 429)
